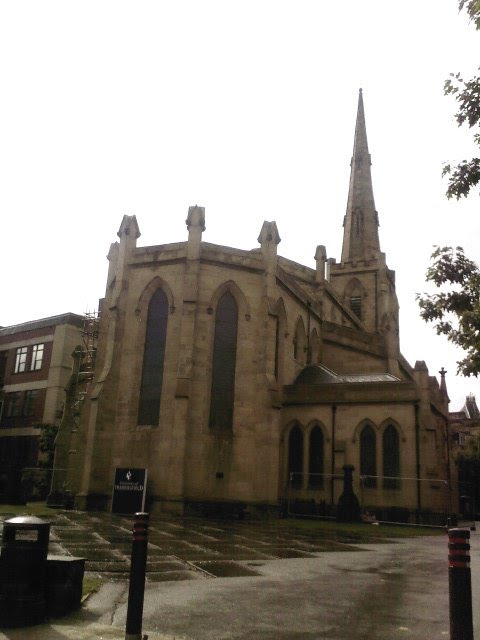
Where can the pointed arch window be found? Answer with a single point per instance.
(153, 359)
(354, 294)
(315, 463)
(223, 364)
(295, 457)
(368, 456)
(356, 306)
(391, 458)
(299, 342)
(277, 347)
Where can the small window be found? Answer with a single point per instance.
(37, 357)
(21, 359)
(356, 306)
(30, 403)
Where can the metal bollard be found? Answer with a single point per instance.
(136, 590)
(460, 585)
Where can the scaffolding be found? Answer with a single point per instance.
(85, 362)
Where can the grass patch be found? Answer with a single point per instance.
(356, 532)
(38, 509)
(91, 584)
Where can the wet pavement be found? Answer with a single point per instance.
(267, 580)
(185, 548)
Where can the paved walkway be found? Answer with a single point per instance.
(379, 592)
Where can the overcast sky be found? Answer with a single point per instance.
(246, 108)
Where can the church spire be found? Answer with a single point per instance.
(360, 236)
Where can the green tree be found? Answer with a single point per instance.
(46, 444)
(455, 310)
(36, 480)
(465, 175)
(468, 463)
(473, 9)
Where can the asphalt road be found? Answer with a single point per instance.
(281, 585)
(386, 591)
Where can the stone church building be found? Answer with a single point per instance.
(242, 378)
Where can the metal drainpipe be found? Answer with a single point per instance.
(332, 468)
(417, 453)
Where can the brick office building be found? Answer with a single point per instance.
(35, 366)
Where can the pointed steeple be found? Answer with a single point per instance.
(360, 236)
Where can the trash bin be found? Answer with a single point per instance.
(64, 584)
(23, 567)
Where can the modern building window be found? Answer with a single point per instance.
(21, 359)
(37, 357)
(391, 458)
(13, 404)
(3, 366)
(295, 457)
(153, 359)
(30, 402)
(368, 456)
(315, 465)
(223, 363)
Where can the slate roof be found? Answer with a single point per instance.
(319, 374)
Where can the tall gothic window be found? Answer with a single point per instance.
(315, 463)
(391, 458)
(223, 364)
(368, 456)
(277, 346)
(153, 358)
(295, 457)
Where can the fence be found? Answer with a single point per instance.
(427, 501)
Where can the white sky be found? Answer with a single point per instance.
(247, 108)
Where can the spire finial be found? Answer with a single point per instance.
(443, 385)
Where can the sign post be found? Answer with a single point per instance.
(129, 490)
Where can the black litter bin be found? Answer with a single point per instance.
(23, 571)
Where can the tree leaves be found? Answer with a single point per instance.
(455, 310)
(466, 174)
(473, 10)
(462, 178)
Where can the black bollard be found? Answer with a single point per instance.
(460, 585)
(136, 590)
